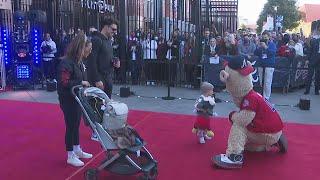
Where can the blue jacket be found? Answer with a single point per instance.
(267, 57)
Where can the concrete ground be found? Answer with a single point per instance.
(148, 98)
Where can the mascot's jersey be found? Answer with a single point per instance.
(267, 119)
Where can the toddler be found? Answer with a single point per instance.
(204, 108)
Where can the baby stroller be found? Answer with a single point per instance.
(126, 153)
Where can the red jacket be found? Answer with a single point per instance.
(285, 51)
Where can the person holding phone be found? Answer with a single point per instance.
(267, 59)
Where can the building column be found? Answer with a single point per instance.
(123, 27)
(197, 22)
(50, 17)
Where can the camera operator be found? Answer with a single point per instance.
(266, 52)
(48, 49)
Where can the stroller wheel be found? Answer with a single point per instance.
(151, 175)
(91, 174)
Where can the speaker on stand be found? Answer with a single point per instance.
(22, 53)
(304, 103)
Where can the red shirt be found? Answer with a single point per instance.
(267, 119)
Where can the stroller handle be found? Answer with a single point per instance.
(73, 89)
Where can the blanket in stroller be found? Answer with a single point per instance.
(125, 137)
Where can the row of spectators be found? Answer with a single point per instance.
(147, 50)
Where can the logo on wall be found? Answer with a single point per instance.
(5, 4)
(99, 5)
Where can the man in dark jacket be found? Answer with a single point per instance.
(314, 63)
(135, 60)
(101, 61)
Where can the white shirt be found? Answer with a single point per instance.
(299, 49)
(134, 55)
(149, 49)
(213, 48)
(49, 56)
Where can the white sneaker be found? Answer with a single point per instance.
(207, 137)
(82, 154)
(201, 140)
(74, 160)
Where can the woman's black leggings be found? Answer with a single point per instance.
(72, 117)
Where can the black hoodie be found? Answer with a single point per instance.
(99, 63)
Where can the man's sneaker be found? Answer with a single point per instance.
(74, 160)
(282, 144)
(94, 137)
(232, 161)
(82, 154)
(201, 140)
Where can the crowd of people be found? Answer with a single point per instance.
(145, 47)
(148, 53)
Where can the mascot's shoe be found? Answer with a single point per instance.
(282, 144)
(233, 161)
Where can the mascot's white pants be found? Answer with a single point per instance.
(241, 139)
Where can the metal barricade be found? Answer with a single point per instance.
(2, 71)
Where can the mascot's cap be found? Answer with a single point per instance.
(240, 64)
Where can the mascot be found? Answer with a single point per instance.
(257, 126)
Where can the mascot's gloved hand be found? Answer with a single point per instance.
(230, 116)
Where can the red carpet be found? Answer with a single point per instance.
(32, 147)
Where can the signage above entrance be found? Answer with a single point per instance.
(99, 5)
(5, 4)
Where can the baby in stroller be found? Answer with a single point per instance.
(114, 120)
(125, 149)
